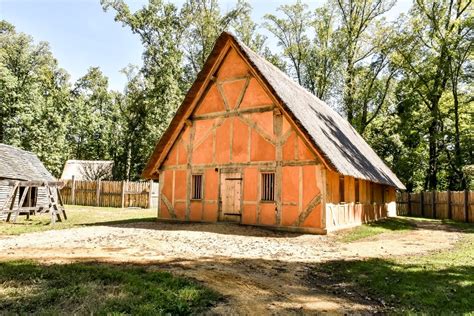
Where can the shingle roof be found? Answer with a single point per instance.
(20, 164)
(336, 140)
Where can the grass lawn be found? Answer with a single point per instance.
(440, 283)
(77, 216)
(398, 224)
(103, 289)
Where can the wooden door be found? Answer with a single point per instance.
(231, 187)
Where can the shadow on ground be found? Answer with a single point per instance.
(400, 287)
(247, 286)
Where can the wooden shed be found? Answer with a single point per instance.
(249, 145)
(25, 184)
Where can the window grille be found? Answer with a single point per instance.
(268, 186)
(197, 187)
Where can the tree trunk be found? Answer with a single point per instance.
(460, 181)
(348, 91)
(433, 150)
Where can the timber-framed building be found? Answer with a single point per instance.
(249, 145)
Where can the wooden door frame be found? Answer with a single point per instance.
(222, 171)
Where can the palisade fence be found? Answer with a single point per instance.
(110, 193)
(455, 205)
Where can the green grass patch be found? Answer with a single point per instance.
(441, 283)
(379, 227)
(77, 216)
(102, 289)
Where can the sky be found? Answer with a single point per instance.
(82, 35)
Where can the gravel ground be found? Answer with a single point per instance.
(260, 271)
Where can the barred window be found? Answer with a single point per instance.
(268, 186)
(197, 187)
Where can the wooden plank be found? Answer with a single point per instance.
(73, 191)
(98, 193)
(122, 195)
(466, 205)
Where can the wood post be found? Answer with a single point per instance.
(466, 205)
(450, 210)
(150, 193)
(123, 194)
(422, 202)
(409, 202)
(433, 203)
(98, 193)
(73, 191)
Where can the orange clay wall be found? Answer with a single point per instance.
(375, 201)
(237, 128)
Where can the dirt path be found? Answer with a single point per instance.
(259, 271)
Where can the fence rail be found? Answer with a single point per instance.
(110, 193)
(455, 205)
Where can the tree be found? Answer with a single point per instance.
(291, 34)
(323, 60)
(358, 18)
(424, 52)
(94, 118)
(154, 93)
(203, 22)
(34, 98)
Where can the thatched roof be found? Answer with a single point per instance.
(87, 169)
(19, 164)
(336, 140)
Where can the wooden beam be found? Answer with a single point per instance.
(189, 172)
(258, 129)
(277, 131)
(304, 215)
(242, 93)
(168, 205)
(263, 164)
(32, 183)
(235, 112)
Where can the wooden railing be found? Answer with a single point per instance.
(110, 193)
(456, 205)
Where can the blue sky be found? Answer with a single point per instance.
(82, 35)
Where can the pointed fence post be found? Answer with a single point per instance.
(73, 191)
(409, 203)
(422, 201)
(150, 193)
(97, 202)
(466, 205)
(123, 194)
(433, 203)
(450, 210)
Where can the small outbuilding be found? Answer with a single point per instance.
(89, 170)
(26, 186)
(249, 145)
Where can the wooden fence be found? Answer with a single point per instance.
(110, 193)
(456, 205)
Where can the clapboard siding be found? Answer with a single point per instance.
(6, 190)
